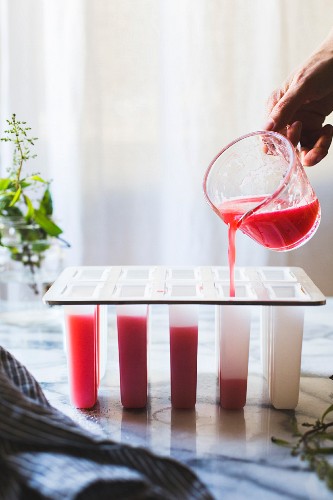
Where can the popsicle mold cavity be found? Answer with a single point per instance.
(132, 326)
(183, 324)
(81, 328)
(234, 337)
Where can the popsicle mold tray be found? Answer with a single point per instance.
(195, 285)
(281, 293)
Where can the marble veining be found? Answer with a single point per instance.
(231, 451)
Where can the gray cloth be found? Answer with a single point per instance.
(45, 454)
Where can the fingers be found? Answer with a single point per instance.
(283, 106)
(293, 133)
(271, 103)
(310, 157)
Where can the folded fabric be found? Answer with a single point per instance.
(45, 454)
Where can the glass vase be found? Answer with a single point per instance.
(30, 260)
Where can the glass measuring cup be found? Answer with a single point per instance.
(258, 185)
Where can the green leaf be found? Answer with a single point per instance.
(326, 412)
(16, 197)
(13, 212)
(25, 184)
(31, 210)
(4, 183)
(280, 442)
(47, 224)
(46, 204)
(36, 178)
(4, 202)
(321, 451)
(39, 247)
(323, 436)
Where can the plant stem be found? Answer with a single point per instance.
(317, 429)
(18, 142)
(33, 285)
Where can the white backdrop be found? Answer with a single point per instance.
(131, 99)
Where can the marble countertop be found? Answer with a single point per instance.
(231, 451)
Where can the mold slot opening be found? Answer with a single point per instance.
(183, 291)
(91, 274)
(183, 274)
(132, 290)
(81, 291)
(137, 274)
(287, 292)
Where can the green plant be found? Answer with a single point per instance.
(26, 202)
(314, 446)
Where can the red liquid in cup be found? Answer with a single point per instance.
(82, 359)
(277, 230)
(132, 344)
(233, 393)
(183, 365)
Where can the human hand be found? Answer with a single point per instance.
(298, 109)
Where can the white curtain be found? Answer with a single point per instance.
(131, 99)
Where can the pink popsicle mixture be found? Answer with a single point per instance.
(132, 344)
(183, 365)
